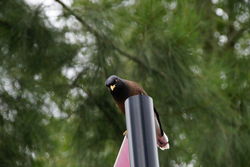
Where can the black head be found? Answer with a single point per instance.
(113, 82)
(116, 85)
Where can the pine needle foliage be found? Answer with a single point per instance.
(191, 56)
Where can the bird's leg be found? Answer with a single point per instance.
(125, 133)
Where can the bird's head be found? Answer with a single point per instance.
(114, 83)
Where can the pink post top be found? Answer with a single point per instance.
(122, 160)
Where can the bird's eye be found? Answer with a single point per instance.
(116, 80)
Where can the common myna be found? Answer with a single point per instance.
(121, 89)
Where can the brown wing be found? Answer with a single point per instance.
(134, 88)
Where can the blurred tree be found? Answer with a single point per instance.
(191, 56)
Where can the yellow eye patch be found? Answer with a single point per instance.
(112, 87)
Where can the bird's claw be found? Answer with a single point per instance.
(125, 133)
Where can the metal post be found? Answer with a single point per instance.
(141, 131)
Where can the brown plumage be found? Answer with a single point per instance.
(121, 89)
(134, 89)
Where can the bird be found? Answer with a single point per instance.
(121, 89)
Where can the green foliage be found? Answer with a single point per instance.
(191, 56)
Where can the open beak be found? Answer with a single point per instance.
(112, 87)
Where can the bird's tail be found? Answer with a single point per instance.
(162, 142)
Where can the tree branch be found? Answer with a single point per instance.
(235, 35)
(102, 37)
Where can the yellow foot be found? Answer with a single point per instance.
(125, 133)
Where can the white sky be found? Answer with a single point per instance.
(52, 10)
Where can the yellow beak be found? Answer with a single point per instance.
(112, 87)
